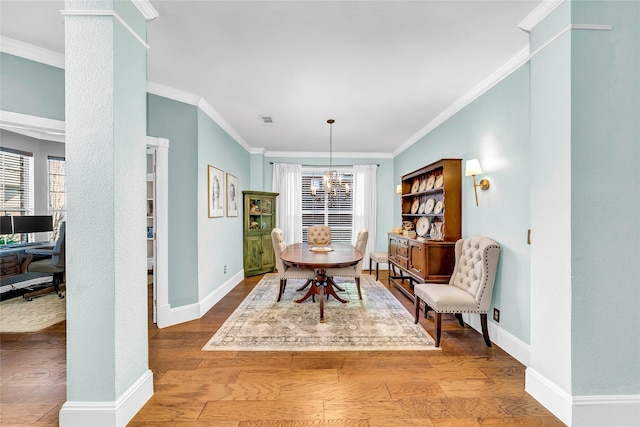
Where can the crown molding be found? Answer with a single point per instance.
(216, 117)
(202, 104)
(172, 93)
(91, 12)
(33, 126)
(257, 151)
(147, 10)
(312, 154)
(31, 52)
(538, 14)
(506, 69)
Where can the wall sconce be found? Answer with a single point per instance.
(472, 169)
(399, 189)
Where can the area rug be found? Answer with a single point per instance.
(377, 322)
(18, 315)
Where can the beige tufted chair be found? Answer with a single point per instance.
(470, 287)
(284, 271)
(356, 270)
(319, 235)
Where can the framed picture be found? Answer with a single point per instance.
(232, 195)
(215, 186)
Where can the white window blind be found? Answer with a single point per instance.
(317, 210)
(57, 193)
(16, 182)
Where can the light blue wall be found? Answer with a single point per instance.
(32, 88)
(220, 240)
(105, 95)
(605, 153)
(178, 122)
(384, 179)
(495, 129)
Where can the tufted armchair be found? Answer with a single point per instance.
(284, 271)
(356, 270)
(319, 235)
(470, 287)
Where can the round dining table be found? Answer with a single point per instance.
(303, 255)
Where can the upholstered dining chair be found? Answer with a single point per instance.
(284, 271)
(319, 235)
(469, 289)
(356, 270)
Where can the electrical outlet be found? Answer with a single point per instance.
(225, 269)
(496, 315)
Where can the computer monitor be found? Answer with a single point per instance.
(32, 224)
(6, 226)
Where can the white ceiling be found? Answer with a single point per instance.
(382, 69)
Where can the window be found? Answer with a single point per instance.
(16, 183)
(317, 210)
(57, 194)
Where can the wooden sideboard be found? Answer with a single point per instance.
(431, 194)
(419, 262)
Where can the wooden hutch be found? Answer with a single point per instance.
(259, 220)
(432, 194)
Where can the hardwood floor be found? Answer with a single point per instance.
(466, 384)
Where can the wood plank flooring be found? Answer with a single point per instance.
(464, 385)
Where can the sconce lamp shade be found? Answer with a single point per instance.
(472, 168)
(399, 189)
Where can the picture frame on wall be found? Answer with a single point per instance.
(232, 195)
(215, 187)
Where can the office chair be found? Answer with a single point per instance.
(54, 265)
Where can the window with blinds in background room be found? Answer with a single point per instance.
(16, 184)
(57, 193)
(317, 210)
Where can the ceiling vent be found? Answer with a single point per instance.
(266, 120)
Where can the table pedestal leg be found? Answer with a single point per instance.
(320, 285)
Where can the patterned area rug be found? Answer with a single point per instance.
(377, 322)
(18, 315)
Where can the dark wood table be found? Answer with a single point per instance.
(299, 255)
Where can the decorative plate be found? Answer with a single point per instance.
(423, 185)
(429, 206)
(439, 207)
(421, 208)
(321, 248)
(415, 186)
(422, 226)
(439, 181)
(414, 206)
(430, 182)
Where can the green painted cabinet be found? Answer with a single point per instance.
(259, 219)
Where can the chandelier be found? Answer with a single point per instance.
(332, 180)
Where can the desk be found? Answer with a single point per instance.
(12, 256)
(299, 255)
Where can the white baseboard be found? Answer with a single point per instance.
(168, 316)
(212, 299)
(583, 411)
(552, 397)
(615, 411)
(516, 348)
(109, 414)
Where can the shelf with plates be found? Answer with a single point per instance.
(434, 192)
(431, 201)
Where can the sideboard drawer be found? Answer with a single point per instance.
(402, 262)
